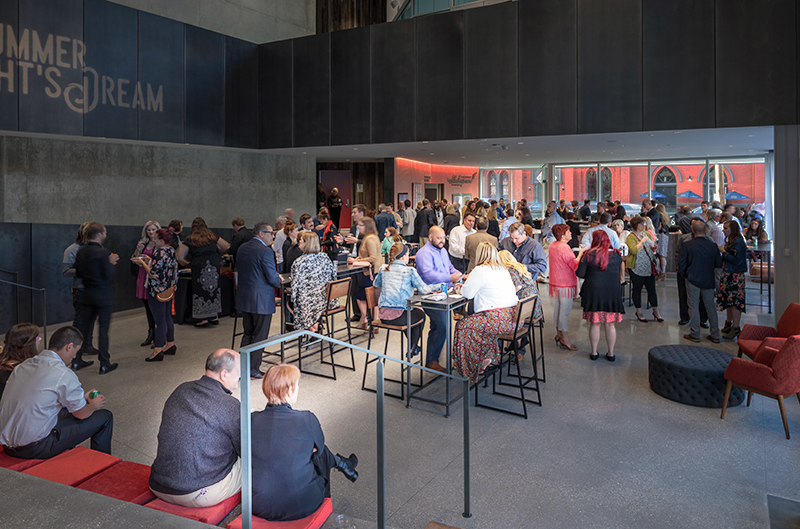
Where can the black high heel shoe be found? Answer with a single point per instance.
(157, 358)
(171, 351)
(659, 320)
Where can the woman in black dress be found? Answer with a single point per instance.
(201, 252)
(291, 464)
(335, 204)
(602, 273)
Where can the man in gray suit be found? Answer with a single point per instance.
(255, 294)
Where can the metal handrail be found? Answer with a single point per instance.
(44, 302)
(246, 427)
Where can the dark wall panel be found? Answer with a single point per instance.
(241, 93)
(50, 102)
(15, 239)
(491, 71)
(9, 80)
(548, 71)
(311, 87)
(110, 34)
(50, 240)
(678, 61)
(205, 87)
(350, 86)
(440, 77)
(609, 66)
(275, 94)
(393, 82)
(161, 67)
(756, 65)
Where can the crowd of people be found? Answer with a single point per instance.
(489, 252)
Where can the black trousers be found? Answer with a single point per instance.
(68, 433)
(324, 460)
(77, 304)
(91, 313)
(417, 315)
(256, 329)
(683, 302)
(459, 264)
(649, 282)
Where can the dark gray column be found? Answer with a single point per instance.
(786, 239)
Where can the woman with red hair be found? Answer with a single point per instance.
(602, 271)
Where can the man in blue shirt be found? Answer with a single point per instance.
(434, 266)
(384, 220)
(552, 219)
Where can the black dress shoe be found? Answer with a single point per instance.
(347, 466)
(171, 351)
(256, 375)
(151, 336)
(80, 364)
(704, 325)
(108, 369)
(683, 322)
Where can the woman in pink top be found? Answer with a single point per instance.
(563, 282)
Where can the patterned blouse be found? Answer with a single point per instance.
(310, 276)
(164, 269)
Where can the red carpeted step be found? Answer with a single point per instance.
(124, 481)
(210, 515)
(313, 521)
(73, 467)
(16, 463)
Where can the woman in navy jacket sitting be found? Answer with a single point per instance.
(291, 464)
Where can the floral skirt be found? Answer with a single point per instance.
(476, 340)
(602, 317)
(731, 291)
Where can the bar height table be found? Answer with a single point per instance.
(765, 248)
(448, 305)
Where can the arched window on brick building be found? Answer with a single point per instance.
(666, 184)
(591, 184)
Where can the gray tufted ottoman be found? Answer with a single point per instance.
(691, 375)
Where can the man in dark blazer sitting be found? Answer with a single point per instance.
(255, 292)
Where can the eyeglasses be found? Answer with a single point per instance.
(269, 232)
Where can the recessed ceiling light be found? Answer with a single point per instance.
(678, 132)
(527, 155)
(347, 160)
(651, 135)
(730, 145)
(463, 157)
(304, 152)
(520, 143)
(751, 135)
(355, 148)
(424, 142)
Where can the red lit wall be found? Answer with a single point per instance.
(456, 179)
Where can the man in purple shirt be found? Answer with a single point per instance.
(434, 266)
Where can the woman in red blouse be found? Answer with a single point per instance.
(563, 282)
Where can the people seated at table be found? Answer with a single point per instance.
(291, 462)
(495, 297)
(618, 225)
(44, 410)
(21, 342)
(311, 273)
(434, 267)
(755, 230)
(397, 282)
(602, 273)
(198, 460)
(369, 253)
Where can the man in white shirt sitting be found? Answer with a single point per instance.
(44, 411)
(457, 239)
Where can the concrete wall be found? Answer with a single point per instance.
(256, 21)
(64, 181)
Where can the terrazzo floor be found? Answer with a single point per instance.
(603, 451)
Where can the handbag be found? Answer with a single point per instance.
(166, 295)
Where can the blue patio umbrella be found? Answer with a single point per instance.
(654, 194)
(734, 195)
(689, 194)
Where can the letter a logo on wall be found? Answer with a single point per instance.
(47, 56)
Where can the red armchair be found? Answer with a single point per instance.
(773, 373)
(752, 335)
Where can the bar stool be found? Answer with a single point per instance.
(372, 302)
(336, 290)
(537, 324)
(235, 314)
(522, 313)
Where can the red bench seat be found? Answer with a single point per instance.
(210, 515)
(314, 521)
(73, 467)
(124, 481)
(16, 463)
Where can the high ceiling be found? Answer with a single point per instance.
(528, 152)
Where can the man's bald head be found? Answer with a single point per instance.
(436, 236)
